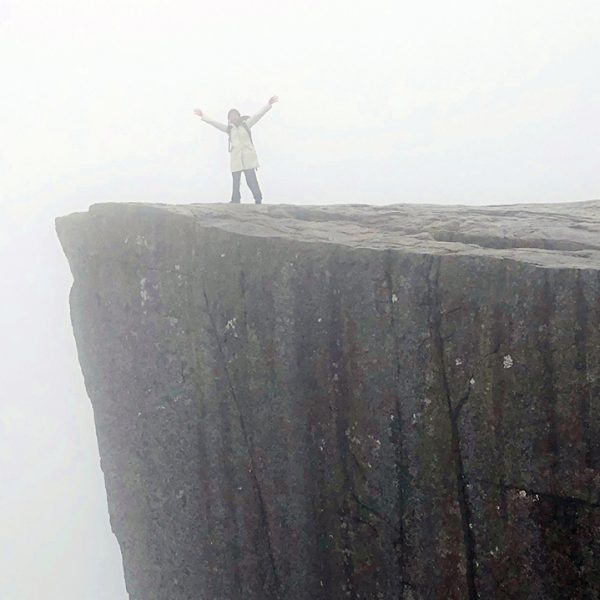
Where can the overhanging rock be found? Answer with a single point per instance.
(303, 403)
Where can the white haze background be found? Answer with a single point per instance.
(381, 101)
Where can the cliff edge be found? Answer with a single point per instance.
(345, 402)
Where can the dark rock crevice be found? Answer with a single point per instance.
(487, 241)
(453, 408)
(396, 429)
(273, 589)
(581, 364)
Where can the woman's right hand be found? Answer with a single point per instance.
(198, 112)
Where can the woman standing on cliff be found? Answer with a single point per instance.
(241, 147)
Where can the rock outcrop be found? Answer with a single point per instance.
(323, 403)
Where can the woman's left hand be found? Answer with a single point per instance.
(273, 99)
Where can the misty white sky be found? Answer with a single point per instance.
(473, 102)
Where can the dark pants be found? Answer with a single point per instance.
(252, 184)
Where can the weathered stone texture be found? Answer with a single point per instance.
(311, 403)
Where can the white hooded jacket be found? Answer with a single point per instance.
(243, 154)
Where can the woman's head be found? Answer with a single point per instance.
(233, 116)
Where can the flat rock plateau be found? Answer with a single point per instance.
(345, 402)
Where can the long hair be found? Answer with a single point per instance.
(242, 117)
(232, 111)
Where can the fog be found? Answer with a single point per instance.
(467, 102)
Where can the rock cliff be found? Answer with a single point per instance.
(323, 403)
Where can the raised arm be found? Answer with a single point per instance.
(262, 112)
(216, 124)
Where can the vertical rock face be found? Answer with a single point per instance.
(346, 402)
